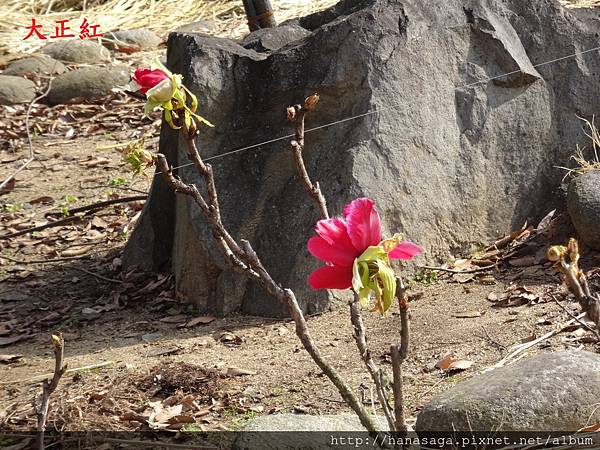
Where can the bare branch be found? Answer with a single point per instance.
(376, 374)
(48, 387)
(217, 227)
(399, 352)
(579, 287)
(573, 316)
(296, 115)
(31, 153)
(243, 258)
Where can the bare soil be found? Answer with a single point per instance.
(224, 371)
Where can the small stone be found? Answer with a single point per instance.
(200, 25)
(551, 391)
(273, 431)
(87, 83)
(38, 65)
(583, 203)
(14, 90)
(138, 39)
(77, 51)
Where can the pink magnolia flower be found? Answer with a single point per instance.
(340, 242)
(146, 79)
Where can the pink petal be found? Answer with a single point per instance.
(331, 277)
(147, 78)
(334, 232)
(405, 250)
(362, 223)
(331, 253)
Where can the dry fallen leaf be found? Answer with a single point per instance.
(463, 277)
(449, 364)
(178, 318)
(236, 371)
(160, 416)
(13, 339)
(5, 328)
(199, 320)
(44, 200)
(492, 297)
(7, 359)
(545, 222)
(590, 428)
(8, 186)
(151, 337)
(228, 338)
(163, 351)
(523, 261)
(468, 314)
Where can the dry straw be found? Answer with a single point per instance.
(582, 163)
(227, 18)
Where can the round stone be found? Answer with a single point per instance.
(36, 65)
(14, 90)
(77, 51)
(87, 83)
(583, 203)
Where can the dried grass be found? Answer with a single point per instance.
(161, 16)
(582, 163)
(580, 3)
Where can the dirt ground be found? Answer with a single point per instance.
(141, 359)
(129, 330)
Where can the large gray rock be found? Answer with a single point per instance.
(453, 157)
(270, 39)
(37, 65)
(138, 39)
(14, 90)
(79, 51)
(87, 83)
(277, 431)
(583, 200)
(551, 391)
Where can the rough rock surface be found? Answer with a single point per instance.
(77, 51)
(87, 82)
(279, 426)
(452, 159)
(583, 201)
(38, 65)
(139, 38)
(551, 391)
(14, 90)
(270, 39)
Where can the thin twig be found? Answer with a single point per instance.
(573, 316)
(496, 343)
(103, 204)
(296, 115)
(68, 372)
(579, 287)
(443, 269)
(73, 218)
(399, 352)
(119, 188)
(44, 261)
(155, 444)
(56, 223)
(522, 347)
(31, 152)
(48, 387)
(100, 277)
(365, 354)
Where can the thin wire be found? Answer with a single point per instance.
(375, 111)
